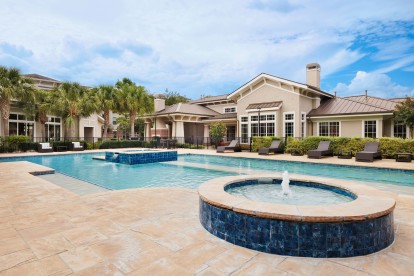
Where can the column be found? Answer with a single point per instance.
(179, 131)
(206, 134)
(147, 130)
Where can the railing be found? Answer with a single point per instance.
(195, 142)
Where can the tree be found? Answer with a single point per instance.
(39, 106)
(217, 132)
(134, 100)
(404, 112)
(71, 101)
(107, 99)
(174, 98)
(12, 87)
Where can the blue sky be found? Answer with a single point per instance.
(213, 47)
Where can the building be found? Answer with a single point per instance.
(21, 124)
(272, 106)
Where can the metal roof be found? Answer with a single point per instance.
(40, 77)
(353, 105)
(264, 105)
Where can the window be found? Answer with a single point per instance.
(329, 129)
(229, 109)
(303, 125)
(370, 129)
(267, 125)
(244, 129)
(400, 130)
(53, 128)
(20, 124)
(289, 124)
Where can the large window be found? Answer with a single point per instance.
(289, 124)
(370, 129)
(400, 130)
(267, 125)
(329, 129)
(20, 124)
(244, 129)
(53, 128)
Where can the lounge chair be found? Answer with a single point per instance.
(76, 146)
(322, 150)
(44, 147)
(232, 146)
(274, 147)
(369, 153)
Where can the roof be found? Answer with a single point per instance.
(354, 105)
(210, 99)
(186, 108)
(264, 105)
(225, 116)
(39, 77)
(298, 84)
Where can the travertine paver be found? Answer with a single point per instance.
(46, 230)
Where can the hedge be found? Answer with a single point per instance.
(388, 146)
(263, 142)
(126, 144)
(16, 143)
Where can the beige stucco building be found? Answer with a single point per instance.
(272, 106)
(21, 124)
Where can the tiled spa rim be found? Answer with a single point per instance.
(144, 156)
(360, 227)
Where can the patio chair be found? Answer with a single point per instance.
(322, 150)
(76, 146)
(275, 147)
(44, 147)
(232, 146)
(369, 153)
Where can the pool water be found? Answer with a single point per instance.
(119, 176)
(300, 195)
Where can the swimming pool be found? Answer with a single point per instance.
(182, 173)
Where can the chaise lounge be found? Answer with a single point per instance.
(44, 147)
(322, 150)
(232, 146)
(275, 147)
(76, 146)
(369, 153)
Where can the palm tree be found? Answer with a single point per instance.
(106, 95)
(12, 87)
(72, 101)
(134, 100)
(39, 105)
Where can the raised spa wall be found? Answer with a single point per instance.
(131, 157)
(359, 227)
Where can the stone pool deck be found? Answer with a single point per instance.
(48, 230)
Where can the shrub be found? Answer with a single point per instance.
(263, 142)
(388, 146)
(126, 144)
(217, 132)
(16, 143)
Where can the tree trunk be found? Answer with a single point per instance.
(42, 121)
(132, 116)
(106, 124)
(5, 114)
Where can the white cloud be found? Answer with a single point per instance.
(193, 47)
(377, 84)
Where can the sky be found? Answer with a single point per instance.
(213, 47)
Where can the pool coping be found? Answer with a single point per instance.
(370, 202)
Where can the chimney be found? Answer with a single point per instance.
(159, 104)
(313, 75)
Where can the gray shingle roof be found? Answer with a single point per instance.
(39, 77)
(187, 109)
(210, 99)
(354, 105)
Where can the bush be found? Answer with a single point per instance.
(16, 143)
(263, 142)
(388, 146)
(126, 144)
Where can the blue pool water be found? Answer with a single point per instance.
(120, 176)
